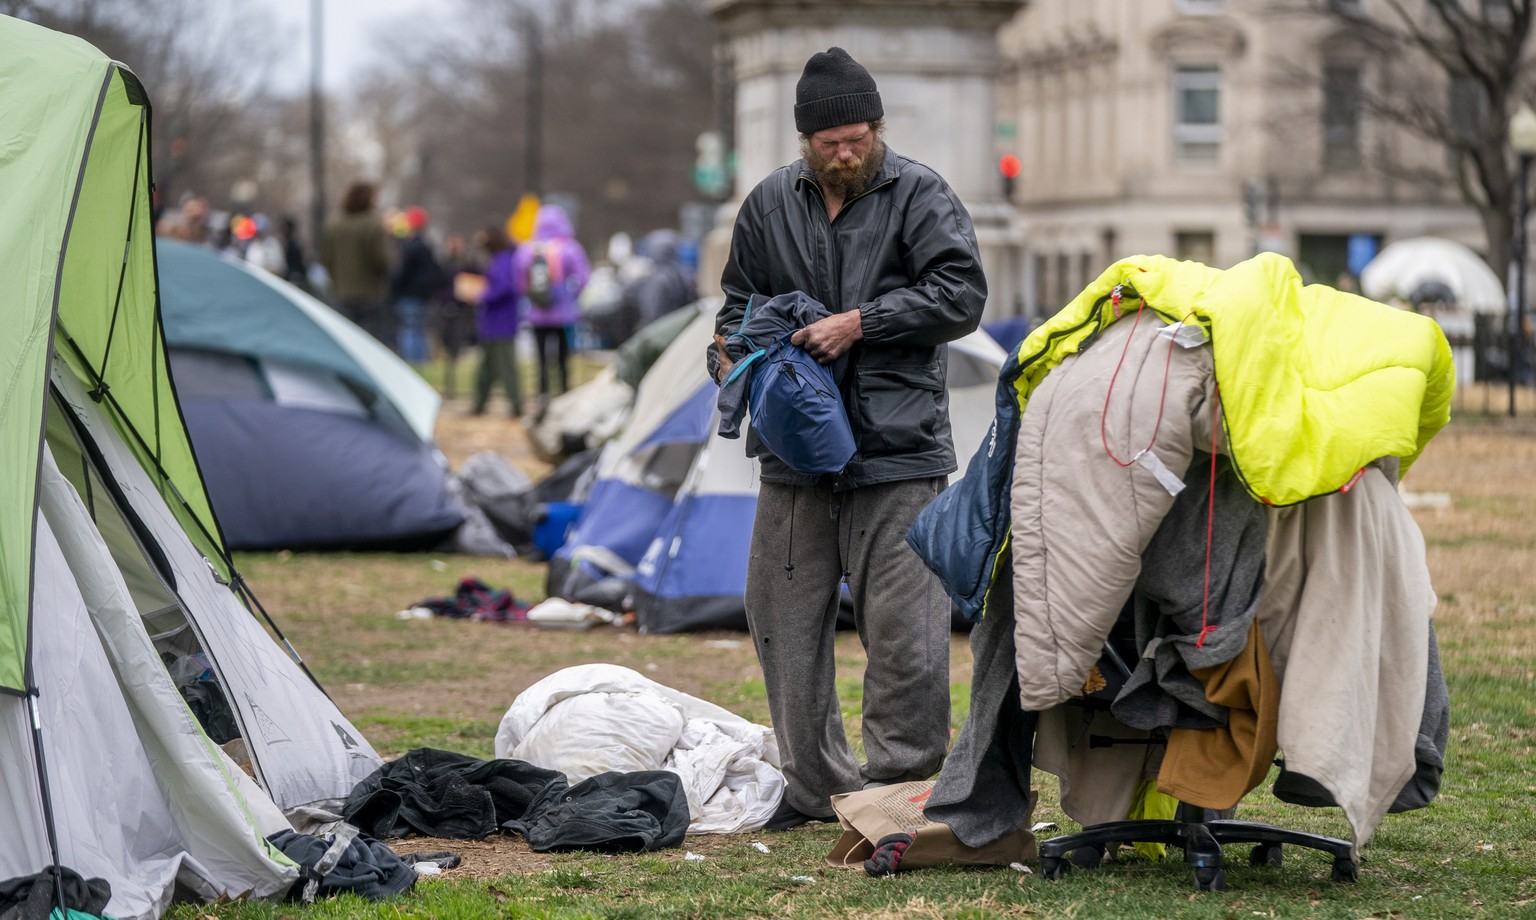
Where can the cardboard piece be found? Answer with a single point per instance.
(870, 814)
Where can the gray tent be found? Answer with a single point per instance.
(113, 573)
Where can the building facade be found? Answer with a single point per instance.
(1208, 130)
(1198, 129)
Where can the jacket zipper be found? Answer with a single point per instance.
(831, 247)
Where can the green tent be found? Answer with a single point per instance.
(119, 607)
(78, 259)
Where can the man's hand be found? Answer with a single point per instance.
(829, 339)
(724, 370)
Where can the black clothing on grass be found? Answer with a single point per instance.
(442, 794)
(367, 868)
(30, 897)
(616, 812)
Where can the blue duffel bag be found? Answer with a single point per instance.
(798, 412)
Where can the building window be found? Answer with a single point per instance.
(1195, 246)
(1341, 117)
(1498, 12)
(1197, 114)
(1199, 6)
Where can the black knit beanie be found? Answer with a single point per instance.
(835, 90)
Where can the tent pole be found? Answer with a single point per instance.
(42, 782)
(249, 595)
(237, 580)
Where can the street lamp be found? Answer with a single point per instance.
(316, 124)
(1522, 137)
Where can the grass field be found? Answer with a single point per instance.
(409, 683)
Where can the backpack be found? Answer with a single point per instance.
(543, 276)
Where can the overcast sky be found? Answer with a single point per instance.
(349, 27)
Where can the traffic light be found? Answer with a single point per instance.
(1010, 166)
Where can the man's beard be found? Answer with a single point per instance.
(845, 179)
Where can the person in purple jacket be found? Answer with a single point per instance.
(551, 270)
(496, 322)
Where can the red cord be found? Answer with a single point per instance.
(1210, 511)
(1162, 399)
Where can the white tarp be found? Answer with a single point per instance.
(597, 718)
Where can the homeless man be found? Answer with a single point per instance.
(883, 243)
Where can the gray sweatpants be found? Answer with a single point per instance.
(805, 541)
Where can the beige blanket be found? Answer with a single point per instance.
(1345, 611)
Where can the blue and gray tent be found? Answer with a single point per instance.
(671, 506)
(310, 433)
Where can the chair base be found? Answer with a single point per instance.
(1200, 838)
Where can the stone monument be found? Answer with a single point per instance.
(936, 63)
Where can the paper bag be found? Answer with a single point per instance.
(871, 814)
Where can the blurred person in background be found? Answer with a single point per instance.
(295, 263)
(355, 251)
(552, 269)
(452, 319)
(603, 297)
(416, 279)
(263, 250)
(194, 220)
(667, 286)
(497, 323)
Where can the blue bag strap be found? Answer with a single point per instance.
(736, 371)
(738, 334)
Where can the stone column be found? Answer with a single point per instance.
(936, 63)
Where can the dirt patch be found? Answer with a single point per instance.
(460, 435)
(495, 856)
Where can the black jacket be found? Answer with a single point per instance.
(418, 274)
(903, 253)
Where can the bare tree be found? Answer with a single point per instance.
(207, 69)
(1450, 73)
(600, 101)
(608, 97)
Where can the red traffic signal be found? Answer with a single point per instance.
(1010, 166)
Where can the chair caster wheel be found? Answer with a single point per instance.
(1210, 880)
(1053, 868)
(1345, 870)
(1267, 854)
(1086, 857)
